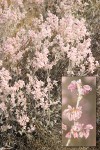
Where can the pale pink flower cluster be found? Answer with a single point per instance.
(3, 106)
(4, 80)
(12, 14)
(16, 100)
(83, 89)
(73, 113)
(23, 120)
(38, 89)
(21, 100)
(79, 130)
(40, 92)
(86, 89)
(72, 86)
(44, 60)
(19, 84)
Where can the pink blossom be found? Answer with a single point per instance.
(88, 127)
(23, 120)
(19, 84)
(72, 86)
(86, 133)
(68, 135)
(73, 113)
(41, 60)
(77, 127)
(79, 130)
(3, 106)
(78, 85)
(86, 89)
(81, 134)
(75, 134)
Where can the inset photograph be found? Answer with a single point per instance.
(79, 111)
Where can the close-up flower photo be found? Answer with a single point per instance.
(79, 111)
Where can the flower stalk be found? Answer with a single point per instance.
(68, 142)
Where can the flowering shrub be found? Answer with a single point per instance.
(30, 53)
(74, 114)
